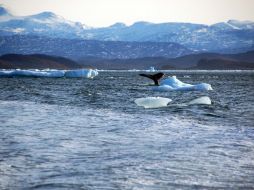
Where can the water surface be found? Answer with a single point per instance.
(89, 134)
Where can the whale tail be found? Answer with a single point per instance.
(156, 77)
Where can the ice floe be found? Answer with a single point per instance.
(172, 83)
(157, 102)
(204, 100)
(90, 73)
(86, 73)
(152, 102)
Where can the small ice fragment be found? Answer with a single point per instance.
(152, 69)
(152, 102)
(205, 100)
(203, 86)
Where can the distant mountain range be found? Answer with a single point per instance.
(46, 40)
(226, 37)
(79, 48)
(208, 61)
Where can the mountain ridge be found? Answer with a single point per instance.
(227, 37)
(77, 48)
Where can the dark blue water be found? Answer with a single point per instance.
(89, 134)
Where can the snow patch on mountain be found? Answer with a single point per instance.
(246, 24)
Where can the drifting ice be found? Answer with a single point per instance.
(152, 102)
(152, 69)
(81, 73)
(157, 102)
(86, 73)
(205, 100)
(172, 83)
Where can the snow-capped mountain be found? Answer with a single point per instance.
(225, 37)
(218, 37)
(42, 24)
(4, 12)
(249, 25)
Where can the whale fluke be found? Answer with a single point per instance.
(156, 77)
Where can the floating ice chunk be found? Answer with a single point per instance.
(81, 73)
(203, 86)
(152, 69)
(163, 88)
(87, 73)
(37, 73)
(152, 102)
(94, 72)
(32, 73)
(5, 73)
(172, 83)
(202, 100)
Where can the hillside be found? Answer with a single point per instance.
(222, 64)
(36, 61)
(193, 61)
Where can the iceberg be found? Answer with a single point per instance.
(151, 69)
(38, 73)
(158, 102)
(172, 83)
(81, 73)
(152, 102)
(204, 100)
(84, 73)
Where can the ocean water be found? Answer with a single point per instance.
(89, 134)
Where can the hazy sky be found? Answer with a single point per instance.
(107, 12)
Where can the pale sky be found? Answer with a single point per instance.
(98, 13)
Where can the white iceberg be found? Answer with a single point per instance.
(90, 73)
(86, 73)
(152, 102)
(204, 100)
(151, 69)
(38, 73)
(158, 102)
(172, 83)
